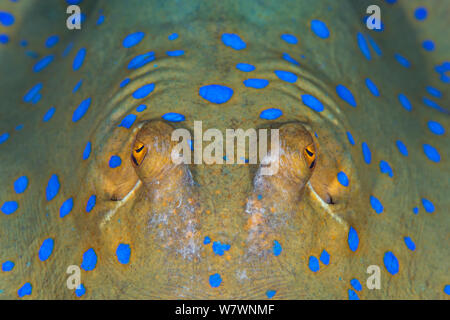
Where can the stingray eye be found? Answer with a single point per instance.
(310, 155)
(139, 153)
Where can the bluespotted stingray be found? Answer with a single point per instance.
(87, 181)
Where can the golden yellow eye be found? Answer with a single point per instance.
(310, 155)
(139, 153)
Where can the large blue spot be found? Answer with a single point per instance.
(80, 291)
(420, 13)
(256, 83)
(233, 40)
(276, 248)
(91, 203)
(66, 207)
(123, 253)
(81, 110)
(376, 205)
(352, 239)
(350, 138)
(21, 184)
(386, 168)
(245, 67)
(49, 114)
(216, 93)
(44, 62)
(115, 161)
(215, 280)
(366, 153)
(447, 289)
(428, 45)
(436, 128)
(25, 290)
(325, 257)
(46, 249)
(320, 29)
(79, 58)
(363, 45)
(141, 108)
(312, 102)
(431, 153)
(4, 137)
(141, 60)
(401, 147)
(313, 264)
(288, 58)
(133, 39)
(352, 295)
(52, 187)
(434, 105)
(428, 205)
(289, 38)
(405, 102)
(34, 91)
(175, 53)
(434, 92)
(6, 18)
(372, 87)
(128, 121)
(144, 91)
(402, 60)
(173, 117)
(391, 262)
(9, 207)
(356, 284)
(345, 94)
(286, 76)
(51, 41)
(342, 178)
(87, 150)
(271, 114)
(7, 266)
(4, 38)
(89, 260)
(219, 248)
(270, 293)
(409, 243)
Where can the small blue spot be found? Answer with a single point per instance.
(67, 49)
(405, 102)
(173, 36)
(376, 205)
(66, 207)
(79, 58)
(6, 18)
(133, 39)
(391, 263)
(431, 153)
(141, 108)
(289, 38)
(313, 264)
(144, 91)
(124, 82)
(286, 76)
(270, 293)
(52, 187)
(7, 266)
(342, 178)
(123, 253)
(101, 19)
(89, 260)
(80, 291)
(350, 138)
(91, 203)
(77, 86)
(375, 47)
(401, 148)
(259, 197)
(409, 243)
(44, 62)
(363, 45)
(386, 168)
(288, 58)
(372, 87)
(256, 83)
(49, 114)
(207, 240)
(21, 184)
(356, 284)
(428, 205)
(4, 38)
(352, 239)
(402, 60)
(276, 248)
(51, 41)
(115, 161)
(87, 150)
(320, 29)
(415, 210)
(9, 207)
(434, 92)
(28, 97)
(175, 53)
(128, 121)
(137, 62)
(46, 249)
(245, 67)
(18, 128)
(219, 248)
(352, 295)
(173, 117)
(420, 13)
(436, 128)
(216, 93)
(312, 102)
(366, 153)
(325, 257)
(428, 45)
(233, 40)
(215, 280)
(81, 110)
(271, 114)
(434, 105)
(345, 94)
(25, 290)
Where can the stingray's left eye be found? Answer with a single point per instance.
(310, 155)
(139, 153)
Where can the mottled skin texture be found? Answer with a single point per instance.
(214, 200)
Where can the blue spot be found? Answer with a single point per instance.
(51, 41)
(409, 243)
(79, 58)
(386, 168)
(46, 249)
(44, 62)
(434, 105)
(123, 253)
(428, 45)
(173, 117)
(442, 71)
(7, 266)
(216, 93)
(115, 161)
(431, 153)
(219, 248)
(66, 207)
(9, 207)
(77, 86)
(391, 262)
(4, 38)
(233, 40)
(133, 39)
(70, 2)
(141, 60)
(128, 121)
(87, 150)
(276, 248)
(100, 20)
(286, 76)
(124, 82)
(428, 205)
(52, 187)
(376, 205)
(415, 210)
(175, 53)
(320, 29)
(402, 60)
(21, 184)
(405, 102)
(173, 36)
(366, 153)
(356, 284)
(91, 203)
(375, 47)
(6, 18)
(447, 289)
(24, 43)
(420, 13)
(89, 260)
(372, 87)
(288, 58)
(434, 92)
(207, 240)
(289, 38)
(256, 83)
(350, 138)
(325, 257)
(352, 239)
(342, 178)
(352, 295)
(80, 291)
(363, 45)
(436, 128)
(245, 67)
(67, 49)
(345, 94)
(313, 264)
(402, 148)
(271, 114)
(270, 293)
(312, 102)
(25, 290)
(81, 110)
(18, 128)
(36, 98)
(144, 91)
(28, 97)
(215, 280)
(141, 108)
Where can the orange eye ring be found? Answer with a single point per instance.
(310, 155)
(139, 153)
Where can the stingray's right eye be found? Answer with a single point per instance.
(310, 155)
(139, 153)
